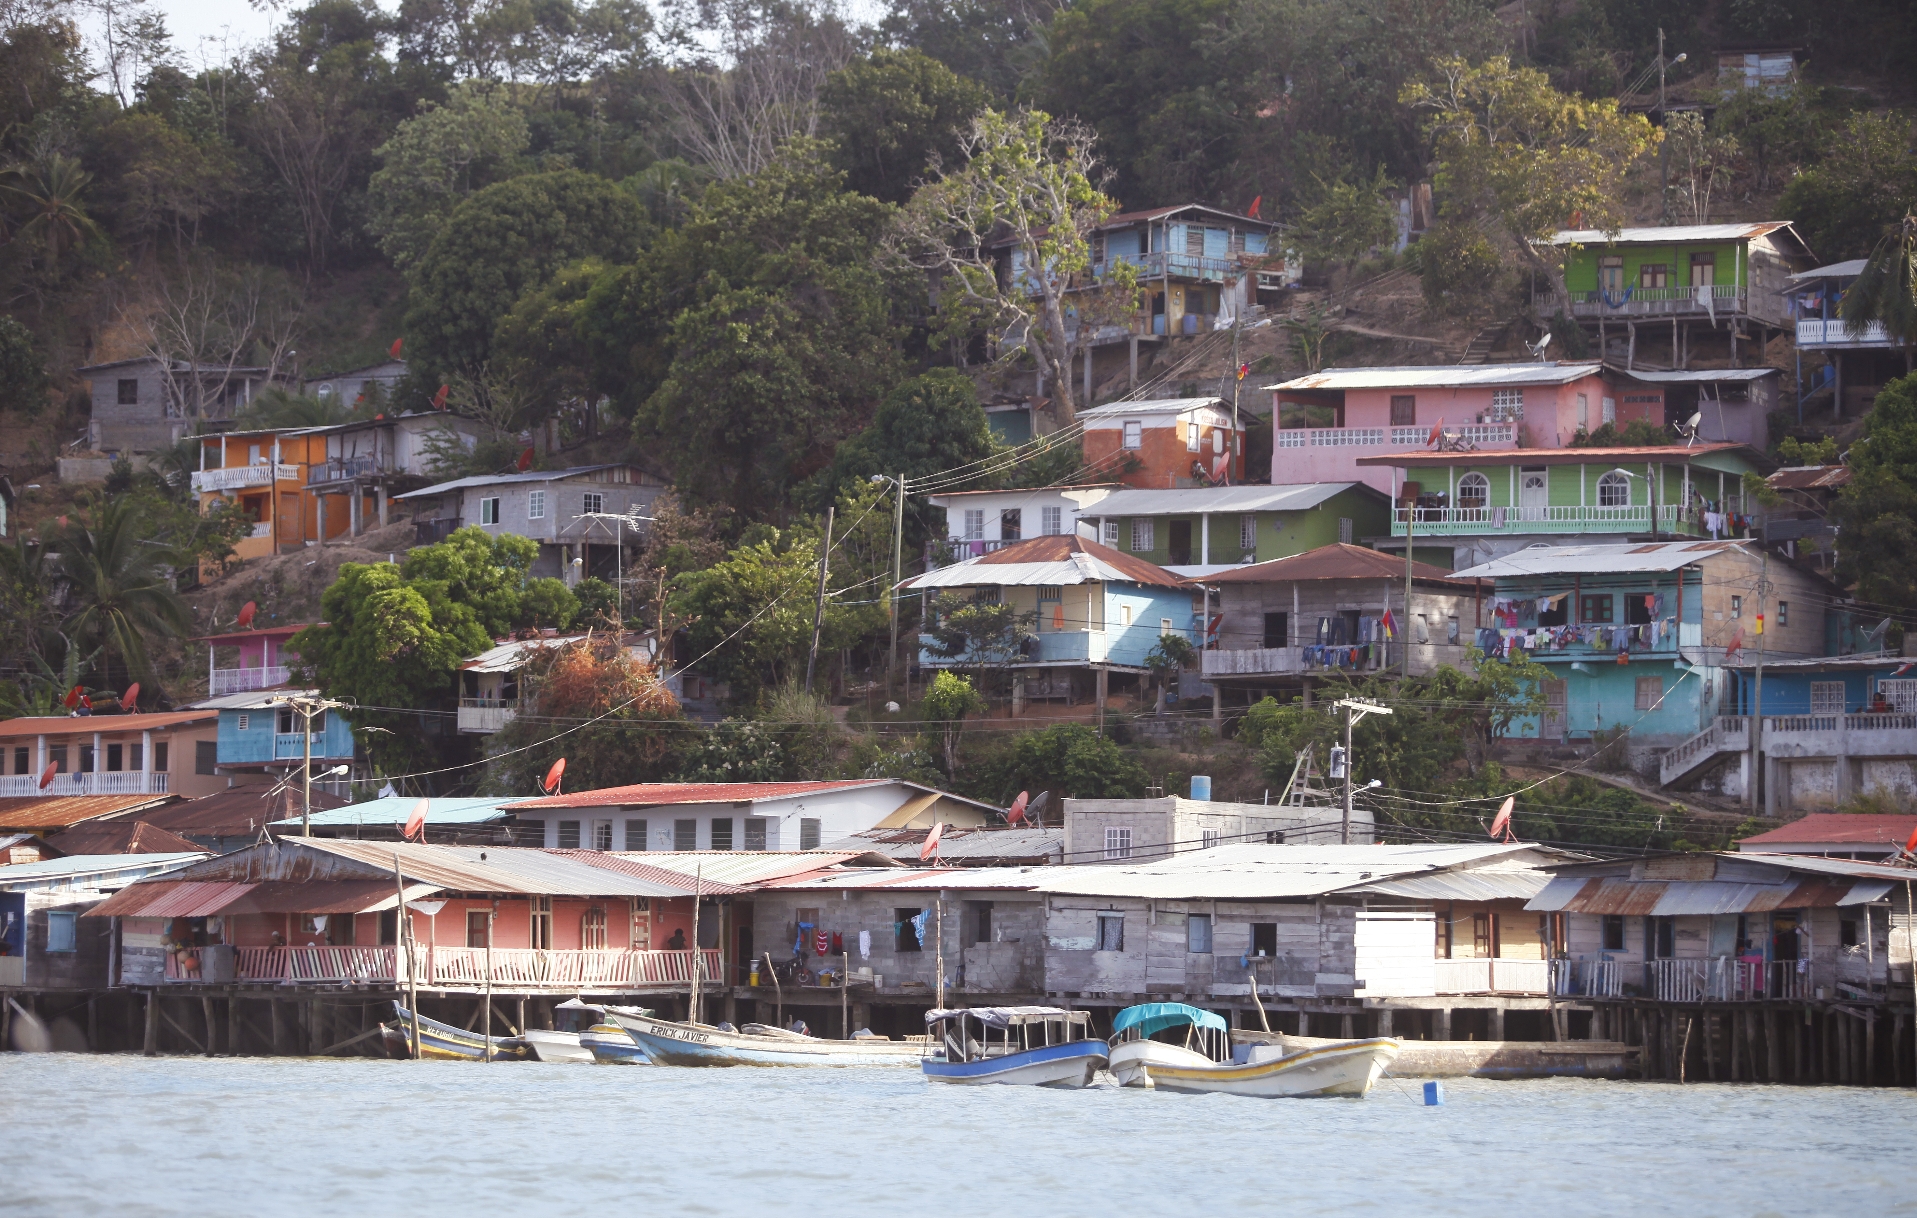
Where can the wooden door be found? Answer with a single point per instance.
(1555, 691)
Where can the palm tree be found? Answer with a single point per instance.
(1886, 293)
(49, 191)
(277, 408)
(119, 579)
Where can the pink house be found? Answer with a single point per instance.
(1326, 421)
(261, 662)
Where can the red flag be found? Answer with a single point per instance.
(1737, 641)
(1017, 812)
(1436, 433)
(246, 614)
(439, 399)
(416, 823)
(130, 700)
(72, 699)
(1390, 625)
(1501, 823)
(551, 785)
(1256, 203)
(1910, 846)
(930, 849)
(46, 775)
(394, 349)
(525, 460)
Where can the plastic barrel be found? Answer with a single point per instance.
(1201, 786)
(1433, 1094)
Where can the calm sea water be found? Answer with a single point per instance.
(191, 1136)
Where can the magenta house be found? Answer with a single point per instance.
(1325, 421)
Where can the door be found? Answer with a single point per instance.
(1534, 495)
(1554, 706)
(476, 927)
(1180, 543)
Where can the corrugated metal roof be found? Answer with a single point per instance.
(957, 845)
(1599, 560)
(550, 475)
(69, 725)
(740, 867)
(1810, 478)
(321, 897)
(1465, 884)
(924, 879)
(398, 809)
(659, 794)
(1657, 454)
(1698, 376)
(59, 811)
(1054, 560)
(1669, 898)
(171, 899)
(510, 657)
(1876, 829)
(122, 835)
(234, 812)
(1836, 270)
(1290, 497)
(74, 866)
(1335, 561)
(1441, 376)
(1668, 235)
(503, 869)
(253, 699)
(1143, 406)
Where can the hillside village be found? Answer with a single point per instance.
(1484, 435)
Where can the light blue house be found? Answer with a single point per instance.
(1095, 611)
(260, 732)
(448, 821)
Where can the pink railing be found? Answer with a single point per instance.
(464, 967)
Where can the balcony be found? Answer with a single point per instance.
(462, 968)
(105, 782)
(1049, 647)
(484, 716)
(1726, 979)
(1817, 332)
(1827, 735)
(241, 680)
(1178, 266)
(1722, 300)
(1470, 435)
(345, 469)
(1489, 975)
(944, 553)
(1571, 518)
(241, 476)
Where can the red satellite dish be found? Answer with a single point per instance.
(930, 849)
(1017, 812)
(525, 460)
(246, 614)
(72, 699)
(1502, 822)
(1910, 847)
(1436, 432)
(551, 785)
(416, 823)
(46, 775)
(130, 700)
(439, 399)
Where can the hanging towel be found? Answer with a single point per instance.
(865, 945)
(798, 948)
(918, 924)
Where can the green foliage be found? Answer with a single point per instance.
(948, 700)
(1460, 270)
(1821, 451)
(599, 707)
(1070, 760)
(1877, 511)
(117, 569)
(893, 113)
(1866, 183)
(433, 161)
(925, 425)
(984, 634)
(484, 574)
(1170, 654)
(23, 374)
(1348, 221)
(736, 750)
(598, 603)
(1638, 433)
(1886, 293)
(503, 241)
(277, 408)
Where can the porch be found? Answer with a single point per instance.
(241, 477)
(485, 715)
(1542, 518)
(1470, 435)
(1817, 332)
(244, 680)
(451, 968)
(108, 782)
(1710, 301)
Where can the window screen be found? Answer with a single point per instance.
(568, 835)
(808, 833)
(1404, 409)
(755, 833)
(635, 835)
(1111, 932)
(685, 835)
(722, 833)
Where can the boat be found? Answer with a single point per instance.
(668, 1043)
(1207, 1040)
(1483, 1058)
(609, 1043)
(564, 1042)
(443, 1040)
(1035, 1047)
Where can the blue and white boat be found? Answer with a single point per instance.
(1206, 1040)
(610, 1043)
(670, 1043)
(1033, 1047)
(572, 1020)
(1206, 1062)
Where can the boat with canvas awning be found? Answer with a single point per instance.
(1034, 1046)
(1341, 1067)
(1207, 1040)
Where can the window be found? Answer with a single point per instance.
(1827, 697)
(542, 923)
(1654, 275)
(1650, 693)
(1404, 409)
(62, 931)
(1737, 606)
(1208, 838)
(1595, 607)
(635, 835)
(244, 722)
(206, 756)
(722, 833)
(1783, 613)
(1108, 531)
(1424, 628)
(1663, 937)
(592, 929)
(1613, 932)
(159, 756)
(1614, 489)
(57, 754)
(1344, 530)
(1611, 276)
(1125, 615)
(1264, 938)
(1217, 441)
(21, 763)
(1703, 270)
(809, 833)
(1010, 522)
(974, 524)
(1050, 593)
(1451, 630)
(685, 835)
(1192, 437)
(1584, 413)
(88, 763)
(976, 927)
(755, 837)
(639, 928)
(1277, 630)
(602, 835)
(907, 931)
(568, 835)
(129, 391)
(116, 757)
(1474, 491)
(1051, 521)
(1507, 405)
(476, 927)
(1610, 410)
(489, 510)
(1142, 540)
(1901, 694)
(1134, 434)
(593, 503)
(1111, 932)
(1198, 934)
(536, 505)
(1847, 932)
(1118, 843)
(1164, 625)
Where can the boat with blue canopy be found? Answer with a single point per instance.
(1207, 1062)
(1032, 1046)
(1207, 1040)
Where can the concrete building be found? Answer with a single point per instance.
(142, 405)
(356, 469)
(978, 522)
(1146, 830)
(586, 519)
(170, 752)
(1165, 443)
(45, 943)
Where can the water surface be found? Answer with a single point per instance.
(268, 1137)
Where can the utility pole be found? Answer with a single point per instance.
(1354, 711)
(1757, 703)
(1237, 325)
(306, 707)
(898, 575)
(818, 612)
(1664, 149)
(1404, 627)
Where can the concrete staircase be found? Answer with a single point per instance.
(1478, 350)
(1726, 734)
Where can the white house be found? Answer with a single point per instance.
(591, 513)
(977, 522)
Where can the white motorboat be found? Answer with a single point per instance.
(572, 1019)
(1206, 1041)
(1036, 1047)
(668, 1043)
(1343, 1067)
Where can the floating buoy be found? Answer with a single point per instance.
(1433, 1094)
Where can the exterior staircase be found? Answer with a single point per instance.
(1478, 351)
(1726, 734)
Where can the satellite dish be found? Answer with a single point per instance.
(1537, 348)
(246, 614)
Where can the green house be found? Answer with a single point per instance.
(1205, 529)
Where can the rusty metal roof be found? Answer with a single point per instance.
(59, 811)
(171, 899)
(122, 836)
(235, 812)
(76, 725)
(321, 896)
(1873, 829)
(743, 867)
(1810, 478)
(1665, 898)
(1336, 561)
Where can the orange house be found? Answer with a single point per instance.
(1170, 444)
(267, 474)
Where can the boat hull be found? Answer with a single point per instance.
(1073, 1064)
(1130, 1061)
(1346, 1068)
(608, 1043)
(445, 1042)
(556, 1046)
(683, 1044)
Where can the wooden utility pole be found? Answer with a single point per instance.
(403, 949)
(818, 611)
(698, 959)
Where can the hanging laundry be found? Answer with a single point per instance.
(820, 942)
(865, 945)
(798, 948)
(918, 923)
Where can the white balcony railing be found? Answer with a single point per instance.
(1725, 979)
(1817, 332)
(1542, 519)
(484, 715)
(240, 680)
(466, 967)
(1632, 301)
(1489, 975)
(1477, 435)
(1252, 661)
(106, 782)
(240, 477)
(1602, 978)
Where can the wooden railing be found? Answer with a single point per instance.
(465, 967)
(1724, 979)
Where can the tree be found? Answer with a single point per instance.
(1876, 512)
(951, 698)
(1705, 158)
(503, 241)
(208, 321)
(23, 373)
(735, 750)
(1519, 156)
(1168, 657)
(1886, 293)
(486, 575)
(1349, 220)
(49, 191)
(118, 576)
(1029, 187)
(1865, 184)
(433, 161)
(926, 425)
(604, 711)
(892, 114)
(1000, 43)
(984, 634)
(1070, 760)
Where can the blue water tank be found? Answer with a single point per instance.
(1201, 786)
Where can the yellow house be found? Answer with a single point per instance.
(267, 474)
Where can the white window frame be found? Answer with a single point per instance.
(1192, 436)
(1144, 536)
(1478, 483)
(1900, 692)
(1827, 697)
(1208, 839)
(1118, 842)
(1051, 520)
(1108, 531)
(1640, 702)
(536, 505)
(592, 503)
(1248, 532)
(489, 510)
(1133, 434)
(1610, 487)
(602, 835)
(974, 524)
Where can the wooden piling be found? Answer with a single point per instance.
(279, 1026)
(152, 1043)
(206, 1017)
